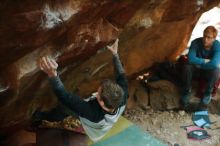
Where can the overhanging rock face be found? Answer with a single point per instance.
(75, 32)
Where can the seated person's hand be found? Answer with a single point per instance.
(207, 60)
(48, 65)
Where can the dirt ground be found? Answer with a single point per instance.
(166, 126)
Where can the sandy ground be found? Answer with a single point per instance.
(166, 126)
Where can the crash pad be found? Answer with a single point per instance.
(124, 132)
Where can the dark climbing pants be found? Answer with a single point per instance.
(190, 71)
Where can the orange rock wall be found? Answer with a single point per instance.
(75, 32)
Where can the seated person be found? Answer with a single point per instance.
(203, 61)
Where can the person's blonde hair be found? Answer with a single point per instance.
(211, 29)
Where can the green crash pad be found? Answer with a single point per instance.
(125, 133)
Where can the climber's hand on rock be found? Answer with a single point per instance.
(114, 47)
(48, 65)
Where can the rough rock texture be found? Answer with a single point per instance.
(21, 138)
(138, 95)
(75, 33)
(164, 95)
